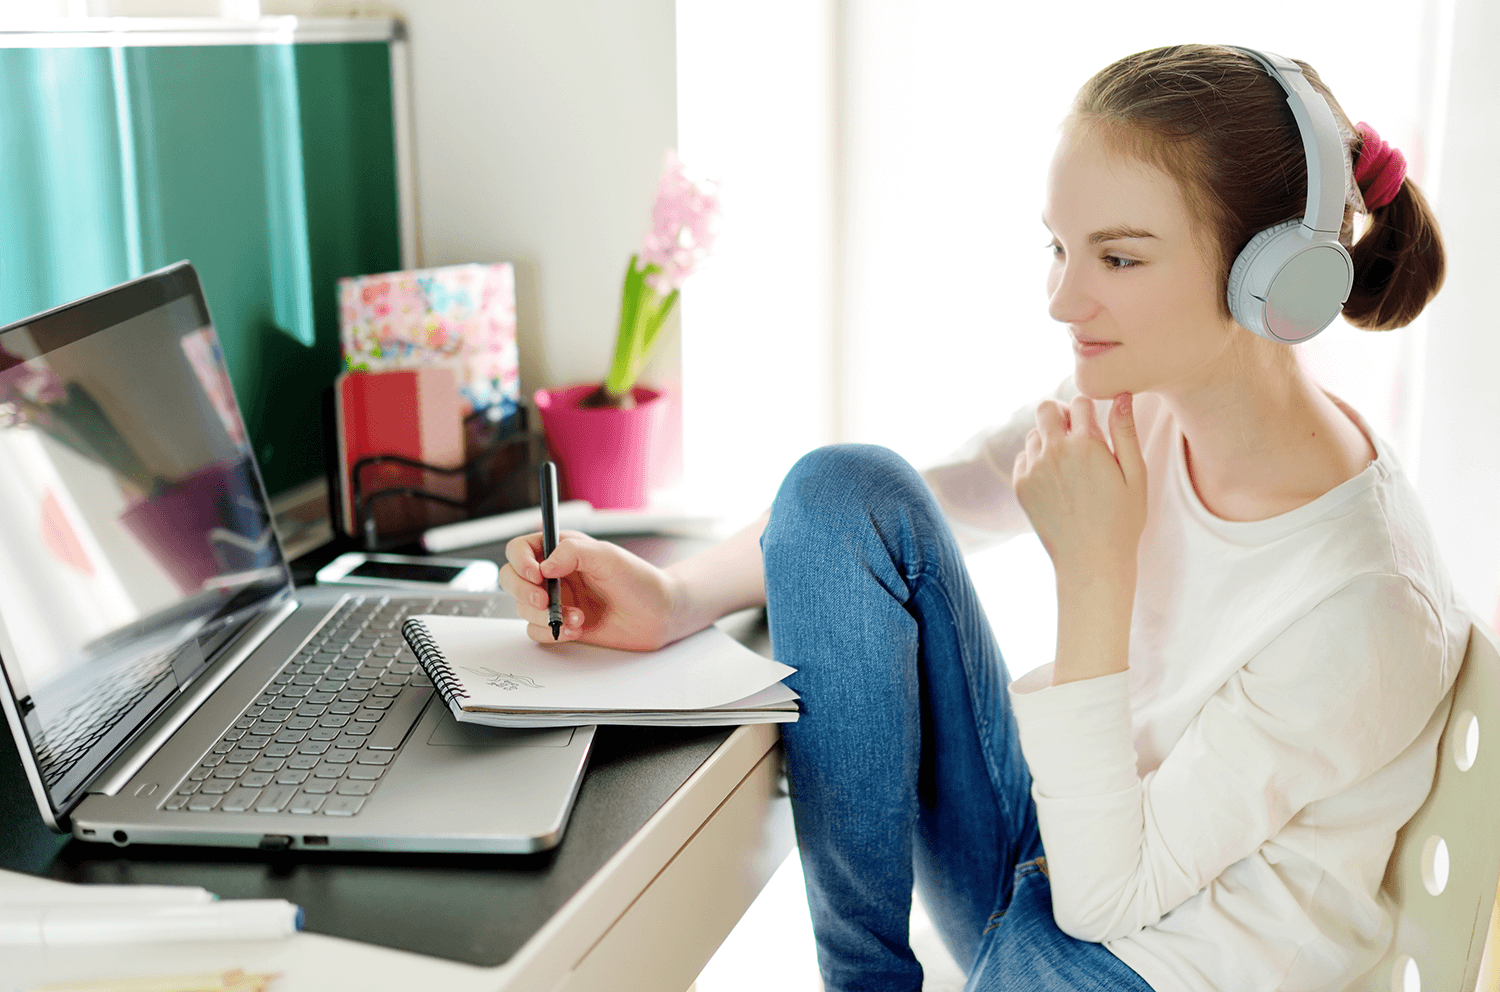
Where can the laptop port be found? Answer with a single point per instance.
(121, 838)
(314, 840)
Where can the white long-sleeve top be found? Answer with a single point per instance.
(1221, 814)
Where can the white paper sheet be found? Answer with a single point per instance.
(716, 717)
(504, 669)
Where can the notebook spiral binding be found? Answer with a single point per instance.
(433, 662)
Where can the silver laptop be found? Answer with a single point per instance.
(164, 681)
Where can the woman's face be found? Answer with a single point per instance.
(1139, 294)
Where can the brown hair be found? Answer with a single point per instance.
(1216, 121)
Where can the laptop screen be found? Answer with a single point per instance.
(135, 534)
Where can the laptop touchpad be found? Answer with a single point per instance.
(451, 733)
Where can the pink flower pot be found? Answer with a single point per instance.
(604, 455)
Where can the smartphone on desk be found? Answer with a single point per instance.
(410, 572)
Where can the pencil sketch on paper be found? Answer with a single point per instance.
(505, 680)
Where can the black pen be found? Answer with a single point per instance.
(549, 545)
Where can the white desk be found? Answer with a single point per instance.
(649, 919)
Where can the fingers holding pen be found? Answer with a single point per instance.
(531, 606)
(525, 576)
(574, 553)
(610, 597)
(540, 630)
(524, 557)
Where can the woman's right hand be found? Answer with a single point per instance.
(610, 597)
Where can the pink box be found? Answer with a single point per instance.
(459, 316)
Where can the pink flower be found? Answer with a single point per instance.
(684, 223)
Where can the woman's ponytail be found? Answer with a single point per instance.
(1398, 261)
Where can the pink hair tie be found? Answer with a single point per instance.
(1380, 169)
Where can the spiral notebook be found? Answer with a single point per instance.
(489, 672)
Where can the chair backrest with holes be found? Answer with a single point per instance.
(1442, 873)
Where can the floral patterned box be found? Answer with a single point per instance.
(461, 316)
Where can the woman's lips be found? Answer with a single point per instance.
(1088, 349)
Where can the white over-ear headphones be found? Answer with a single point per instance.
(1291, 280)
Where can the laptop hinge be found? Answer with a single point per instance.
(122, 769)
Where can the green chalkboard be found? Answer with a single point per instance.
(271, 167)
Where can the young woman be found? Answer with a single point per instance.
(1255, 637)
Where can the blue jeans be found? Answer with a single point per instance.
(906, 766)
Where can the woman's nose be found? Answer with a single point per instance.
(1069, 301)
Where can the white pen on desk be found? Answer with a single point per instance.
(234, 980)
(65, 894)
(235, 919)
(571, 514)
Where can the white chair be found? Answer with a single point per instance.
(1443, 871)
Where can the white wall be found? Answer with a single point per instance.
(1460, 468)
(755, 109)
(541, 129)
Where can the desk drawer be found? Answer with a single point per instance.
(666, 936)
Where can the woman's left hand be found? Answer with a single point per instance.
(1086, 502)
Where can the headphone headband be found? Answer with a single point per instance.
(1320, 142)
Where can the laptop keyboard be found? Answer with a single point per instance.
(320, 737)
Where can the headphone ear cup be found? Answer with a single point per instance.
(1288, 287)
(1247, 310)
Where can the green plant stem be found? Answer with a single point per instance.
(642, 314)
(627, 344)
(656, 320)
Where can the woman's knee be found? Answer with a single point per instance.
(863, 478)
(860, 502)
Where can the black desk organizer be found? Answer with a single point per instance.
(499, 475)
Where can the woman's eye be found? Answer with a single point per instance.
(1116, 262)
(1056, 249)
